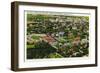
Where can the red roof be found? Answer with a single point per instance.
(48, 38)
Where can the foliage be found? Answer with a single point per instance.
(70, 36)
(40, 50)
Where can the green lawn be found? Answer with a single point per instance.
(55, 55)
(30, 46)
(36, 37)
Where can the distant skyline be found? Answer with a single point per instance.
(57, 13)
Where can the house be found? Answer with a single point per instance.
(76, 41)
(48, 39)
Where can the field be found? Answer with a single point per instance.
(57, 36)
